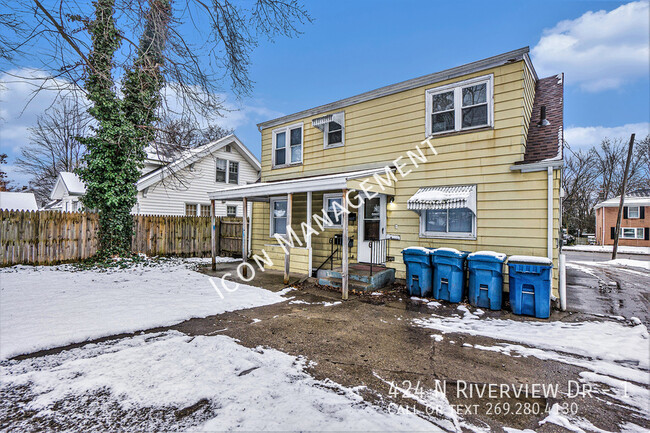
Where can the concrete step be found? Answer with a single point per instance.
(338, 282)
(380, 277)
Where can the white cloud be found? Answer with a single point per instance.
(583, 137)
(599, 50)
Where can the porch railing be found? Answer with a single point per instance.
(336, 242)
(379, 253)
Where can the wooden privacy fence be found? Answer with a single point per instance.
(48, 237)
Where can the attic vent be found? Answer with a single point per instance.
(228, 149)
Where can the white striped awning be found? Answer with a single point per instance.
(320, 122)
(444, 197)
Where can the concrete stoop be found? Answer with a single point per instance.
(359, 277)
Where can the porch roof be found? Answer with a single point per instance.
(263, 190)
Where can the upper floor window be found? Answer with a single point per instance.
(633, 212)
(287, 145)
(227, 171)
(221, 170)
(233, 172)
(333, 127)
(460, 106)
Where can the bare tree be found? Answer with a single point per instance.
(609, 159)
(175, 135)
(579, 181)
(643, 154)
(54, 145)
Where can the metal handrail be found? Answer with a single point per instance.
(378, 252)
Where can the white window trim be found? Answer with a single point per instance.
(458, 106)
(231, 205)
(325, 198)
(272, 200)
(637, 230)
(453, 235)
(287, 154)
(198, 208)
(638, 212)
(326, 131)
(216, 165)
(228, 172)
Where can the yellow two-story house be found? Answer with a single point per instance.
(468, 158)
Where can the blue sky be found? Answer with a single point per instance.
(355, 46)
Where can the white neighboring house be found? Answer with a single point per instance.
(66, 193)
(181, 187)
(17, 201)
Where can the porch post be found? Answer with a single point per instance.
(344, 259)
(213, 239)
(244, 236)
(287, 256)
(309, 213)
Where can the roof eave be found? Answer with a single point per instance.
(458, 71)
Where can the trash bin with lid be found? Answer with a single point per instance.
(486, 279)
(448, 274)
(418, 270)
(530, 285)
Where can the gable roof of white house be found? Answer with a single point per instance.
(67, 181)
(18, 201)
(193, 155)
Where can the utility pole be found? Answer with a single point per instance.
(620, 204)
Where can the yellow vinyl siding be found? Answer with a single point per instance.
(511, 206)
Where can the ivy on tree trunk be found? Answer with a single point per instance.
(115, 154)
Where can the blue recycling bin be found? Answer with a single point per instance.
(448, 274)
(485, 287)
(418, 270)
(530, 285)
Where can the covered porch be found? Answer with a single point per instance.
(331, 227)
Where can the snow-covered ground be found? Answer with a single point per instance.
(237, 388)
(633, 266)
(613, 353)
(607, 249)
(51, 306)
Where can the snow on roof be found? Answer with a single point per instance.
(18, 201)
(72, 182)
(638, 197)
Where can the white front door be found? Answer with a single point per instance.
(371, 224)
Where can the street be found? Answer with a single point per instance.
(596, 287)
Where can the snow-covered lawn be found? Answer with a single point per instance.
(607, 249)
(235, 387)
(639, 267)
(613, 353)
(51, 306)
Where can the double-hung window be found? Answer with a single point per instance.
(222, 164)
(205, 210)
(460, 106)
(233, 172)
(287, 145)
(633, 212)
(446, 212)
(231, 210)
(278, 216)
(332, 206)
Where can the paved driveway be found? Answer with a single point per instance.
(595, 287)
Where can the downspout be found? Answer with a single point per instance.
(549, 222)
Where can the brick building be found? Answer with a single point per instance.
(635, 224)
